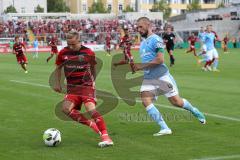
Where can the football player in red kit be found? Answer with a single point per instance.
(126, 43)
(54, 50)
(225, 43)
(108, 43)
(192, 40)
(79, 65)
(18, 51)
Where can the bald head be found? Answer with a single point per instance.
(145, 19)
(144, 26)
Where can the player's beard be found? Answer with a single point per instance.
(144, 35)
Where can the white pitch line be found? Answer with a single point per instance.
(29, 83)
(220, 157)
(161, 105)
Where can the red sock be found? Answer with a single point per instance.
(194, 52)
(207, 63)
(132, 67)
(77, 116)
(212, 61)
(99, 122)
(122, 62)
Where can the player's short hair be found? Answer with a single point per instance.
(72, 34)
(146, 19)
(16, 37)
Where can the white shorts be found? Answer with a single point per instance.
(215, 53)
(204, 48)
(158, 87)
(36, 49)
(209, 55)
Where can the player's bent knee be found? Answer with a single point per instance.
(176, 101)
(90, 106)
(67, 107)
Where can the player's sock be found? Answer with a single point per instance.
(172, 59)
(132, 67)
(194, 52)
(77, 116)
(208, 63)
(199, 115)
(188, 106)
(215, 64)
(120, 63)
(154, 113)
(99, 121)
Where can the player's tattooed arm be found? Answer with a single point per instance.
(57, 86)
(93, 71)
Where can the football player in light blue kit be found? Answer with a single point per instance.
(35, 46)
(212, 54)
(203, 46)
(156, 74)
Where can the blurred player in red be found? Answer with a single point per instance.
(192, 40)
(54, 50)
(126, 43)
(18, 51)
(79, 66)
(108, 43)
(225, 43)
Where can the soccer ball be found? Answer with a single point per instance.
(52, 137)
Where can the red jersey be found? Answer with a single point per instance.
(77, 69)
(53, 46)
(192, 40)
(126, 42)
(108, 39)
(17, 47)
(225, 40)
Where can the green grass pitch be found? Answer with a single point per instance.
(27, 109)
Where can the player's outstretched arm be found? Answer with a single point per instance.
(158, 60)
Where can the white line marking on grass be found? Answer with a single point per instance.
(220, 157)
(161, 105)
(29, 83)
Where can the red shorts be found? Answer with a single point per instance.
(22, 59)
(108, 45)
(79, 100)
(79, 95)
(54, 51)
(192, 47)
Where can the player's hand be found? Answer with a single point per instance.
(57, 88)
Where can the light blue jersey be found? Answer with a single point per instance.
(201, 36)
(148, 51)
(35, 44)
(208, 40)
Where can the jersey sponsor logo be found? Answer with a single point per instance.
(160, 45)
